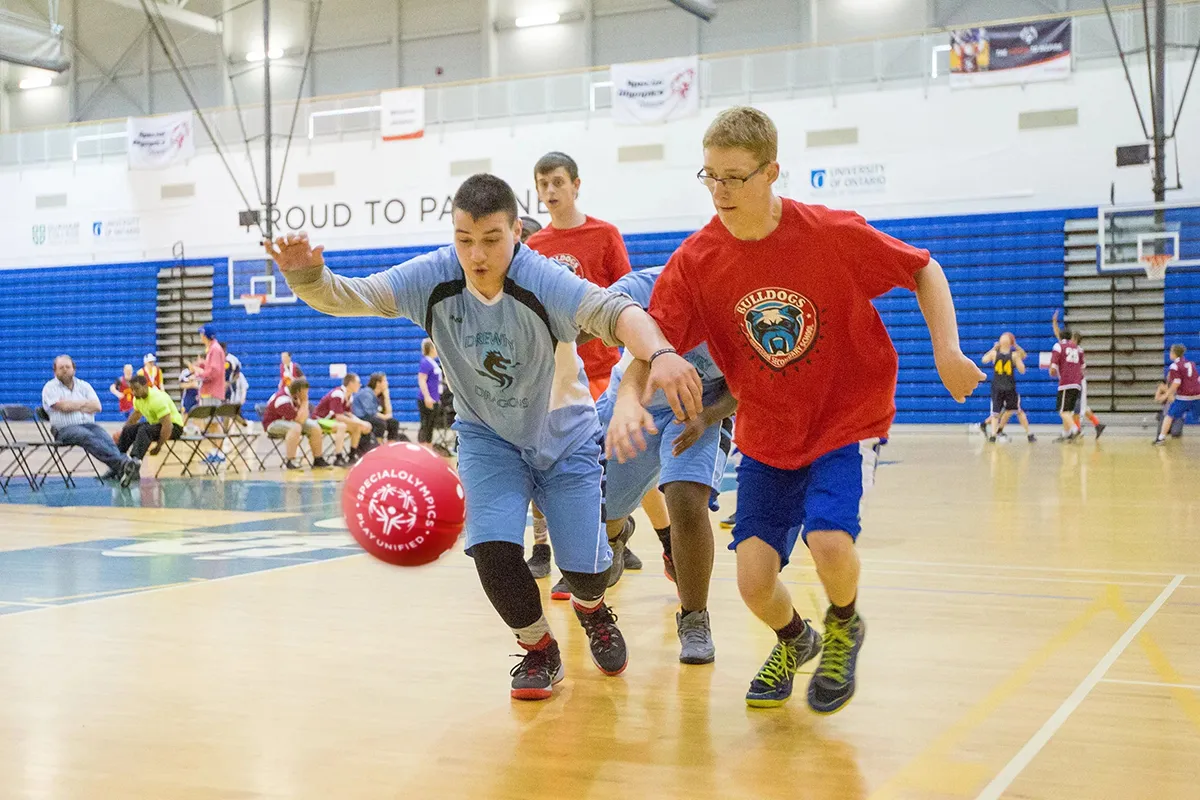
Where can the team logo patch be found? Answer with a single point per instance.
(780, 324)
(495, 366)
(570, 262)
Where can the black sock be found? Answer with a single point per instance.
(664, 536)
(843, 612)
(793, 628)
(683, 612)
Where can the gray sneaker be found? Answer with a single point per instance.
(618, 547)
(539, 562)
(695, 638)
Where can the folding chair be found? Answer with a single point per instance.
(18, 462)
(229, 417)
(443, 435)
(59, 450)
(210, 432)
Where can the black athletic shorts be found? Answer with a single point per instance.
(1005, 400)
(1068, 401)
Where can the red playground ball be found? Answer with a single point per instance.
(403, 504)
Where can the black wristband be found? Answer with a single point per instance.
(658, 353)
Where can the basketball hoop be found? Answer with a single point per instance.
(253, 302)
(1156, 265)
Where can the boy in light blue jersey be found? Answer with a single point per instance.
(504, 320)
(686, 461)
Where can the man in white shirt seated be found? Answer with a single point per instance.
(72, 405)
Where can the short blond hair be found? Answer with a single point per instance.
(744, 128)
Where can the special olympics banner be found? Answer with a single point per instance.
(402, 115)
(160, 142)
(1017, 53)
(659, 91)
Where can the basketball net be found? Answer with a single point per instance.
(1156, 264)
(253, 303)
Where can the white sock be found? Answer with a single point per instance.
(530, 635)
(587, 605)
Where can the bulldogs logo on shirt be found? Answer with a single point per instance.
(780, 324)
(570, 262)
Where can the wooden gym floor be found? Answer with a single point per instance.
(1034, 632)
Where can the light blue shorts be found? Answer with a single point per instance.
(498, 484)
(702, 463)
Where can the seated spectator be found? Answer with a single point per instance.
(373, 404)
(162, 420)
(211, 370)
(120, 390)
(288, 370)
(72, 405)
(151, 371)
(429, 394)
(287, 415)
(334, 416)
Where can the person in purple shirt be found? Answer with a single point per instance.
(429, 380)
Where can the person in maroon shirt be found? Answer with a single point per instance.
(287, 416)
(1183, 392)
(1067, 364)
(781, 293)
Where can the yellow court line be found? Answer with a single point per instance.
(935, 756)
(130, 590)
(1162, 665)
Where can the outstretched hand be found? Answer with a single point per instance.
(294, 252)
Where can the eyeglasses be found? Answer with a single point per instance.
(733, 184)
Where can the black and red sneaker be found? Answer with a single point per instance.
(539, 670)
(604, 639)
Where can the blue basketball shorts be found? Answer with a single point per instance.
(781, 505)
(1185, 409)
(702, 463)
(498, 484)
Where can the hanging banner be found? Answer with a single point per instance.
(658, 91)
(161, 142)
(402, 114)
(1023, 52)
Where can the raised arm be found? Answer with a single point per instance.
(304, 268)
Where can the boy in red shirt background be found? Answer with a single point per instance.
(781, 293)
(594, 250)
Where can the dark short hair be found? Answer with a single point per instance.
(297, 386)
(483, 195)
(529, 226)
(375, 379)
(1067, 333)
(349, 379)
(1178, 350)
(552, 161)
(139, 380)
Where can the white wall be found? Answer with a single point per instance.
(949, 152)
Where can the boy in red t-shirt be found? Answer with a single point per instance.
(781, 293)
(593, 250)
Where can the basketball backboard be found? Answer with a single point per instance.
(1131, 238)
(253, 276)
